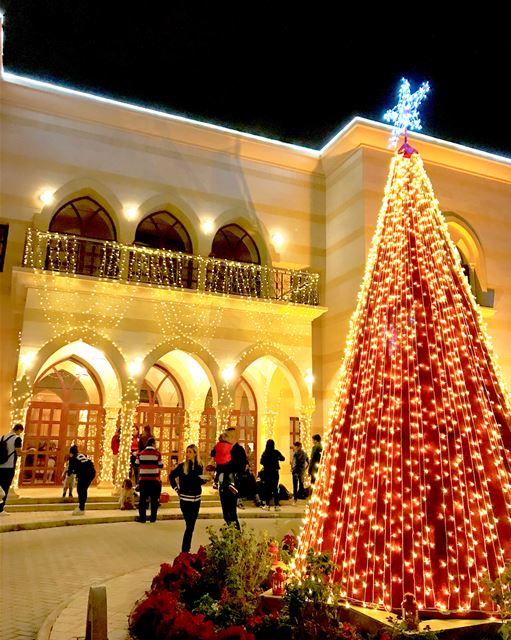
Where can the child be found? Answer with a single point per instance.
(127, 497)
(221, 452)
(68, 481)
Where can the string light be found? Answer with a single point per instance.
(414, 487)
(98, 307)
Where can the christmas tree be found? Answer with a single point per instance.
(414, 488)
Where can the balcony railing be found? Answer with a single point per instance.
(132, 264)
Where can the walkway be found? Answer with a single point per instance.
(45, 570)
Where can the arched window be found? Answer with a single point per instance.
(162, 230)
(234, 243)
(89, 255)
(84, 217)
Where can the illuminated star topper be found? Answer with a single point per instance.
(405, 115)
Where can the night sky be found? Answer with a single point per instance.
(270, 68)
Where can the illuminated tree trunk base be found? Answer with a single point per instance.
(413, 493)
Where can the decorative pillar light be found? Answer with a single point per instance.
(106, 461)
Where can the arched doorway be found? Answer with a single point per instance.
(66, 409)
(244, 418)
(161, 406)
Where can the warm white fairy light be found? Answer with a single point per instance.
(414, 488)
(130, 212)
(207, 226)
(47, 197)
(111, 295)
(278, 239)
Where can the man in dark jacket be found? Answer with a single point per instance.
(317, 448)
(298, 466)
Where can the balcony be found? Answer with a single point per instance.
(131, 264)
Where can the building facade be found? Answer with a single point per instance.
(160, 271)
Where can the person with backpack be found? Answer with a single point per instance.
(10, 449)
(83, 468)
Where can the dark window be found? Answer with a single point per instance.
(161, 230)
(4, 230)
(84, 217)
(234, 243)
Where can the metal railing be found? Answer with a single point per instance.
(110, 260)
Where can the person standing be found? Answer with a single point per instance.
(149, 464)
(317, 448)
(133, 455)
(187, 480)
(270, 461)
(84, 470)
(298, 466)
(13, 444)
(227, 489)
(115, 443)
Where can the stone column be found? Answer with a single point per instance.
(106, 461)
(192, 432)
(269, 421)
(127, 412)
(305, 415)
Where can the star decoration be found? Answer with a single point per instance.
(405, 115)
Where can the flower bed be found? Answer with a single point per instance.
(215, 594)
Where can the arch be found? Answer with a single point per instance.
(186, 378)
(163, 230)
(290, 369)
(176, 206)
(66, 408)
(109, 363)
(233, 242)
(77, 188)
(84, 217)
(471, 253)
(256, 229)
(467, 241)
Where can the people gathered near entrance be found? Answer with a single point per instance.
(187, 480)
(149, 464)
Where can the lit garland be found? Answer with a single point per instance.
(128, 411)
(106, 463)
(192, 432)
(269, 421)
(99, 310)
(305, 417)
(413, 492)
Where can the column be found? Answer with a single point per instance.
(127, 418)
(106, 461)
